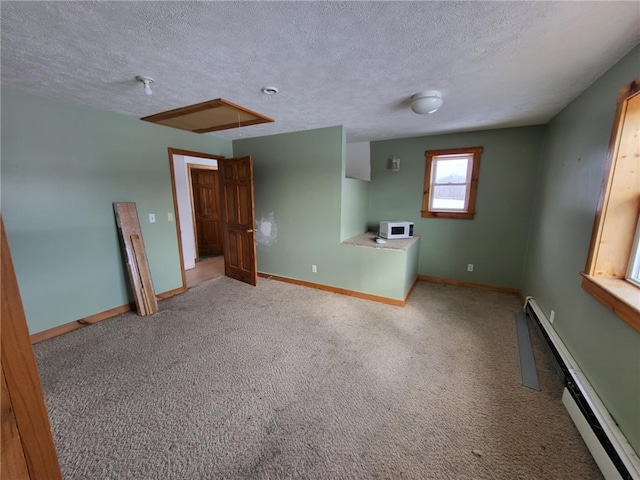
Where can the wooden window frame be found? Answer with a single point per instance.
(472, 184)
(613, 233)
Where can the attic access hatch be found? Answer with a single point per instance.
(210, 116)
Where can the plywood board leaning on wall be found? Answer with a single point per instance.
(148, 294)
(135, 257)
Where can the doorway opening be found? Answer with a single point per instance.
(235, 202)
(196, 198)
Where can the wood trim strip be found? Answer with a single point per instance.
(618, 306)
(176, 213)
(21, 375)
(341, 291)
(59, 330)
(459, 216)
(201, 166)
(426, 193)
(475, 172)
(191, 153)
(13, 464)
(190, 166)
(98, 317)
(522, 297)
(628, 90)
(413, 285)
(76, 324)
(455, 151)
(171, 293)
(463, 283)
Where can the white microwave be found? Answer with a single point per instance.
(393, 230)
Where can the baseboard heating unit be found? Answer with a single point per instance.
(608, 446)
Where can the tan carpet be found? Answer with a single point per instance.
(280, 381)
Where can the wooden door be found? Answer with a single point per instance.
(236, 176)
(206, 211)
(27, 449)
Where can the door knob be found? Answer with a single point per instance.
(250, 230)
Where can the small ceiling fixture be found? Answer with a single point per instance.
(147, 81)
(426, 102)
(269, 90)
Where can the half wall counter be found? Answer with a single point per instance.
(389, 269)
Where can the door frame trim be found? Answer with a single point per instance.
(188, 153)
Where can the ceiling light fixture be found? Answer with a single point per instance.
(146, 81)
(426, 102)
(270, 90)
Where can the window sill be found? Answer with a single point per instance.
(461, 215)
(619, 296)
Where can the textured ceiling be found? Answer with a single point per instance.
(336, 63)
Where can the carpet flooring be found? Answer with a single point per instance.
(279, 381)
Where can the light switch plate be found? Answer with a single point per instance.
(152, 218)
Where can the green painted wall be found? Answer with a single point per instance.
(495, 240)
(572, 167)
(355, 207)
(299, 177)
(62, 167)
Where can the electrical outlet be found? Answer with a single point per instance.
(170, 217)
(552, 316)
(152, 218)
(470, 267)
(314, 268)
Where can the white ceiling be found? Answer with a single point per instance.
(355, 64)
